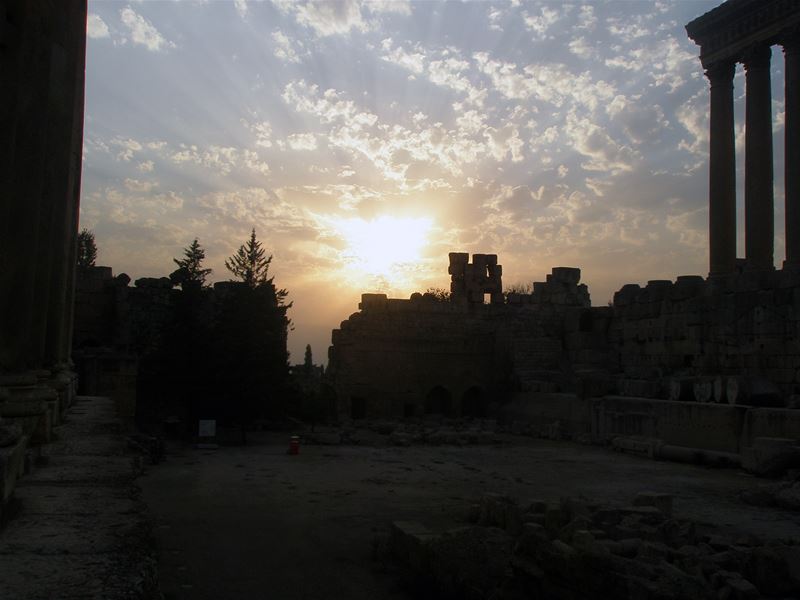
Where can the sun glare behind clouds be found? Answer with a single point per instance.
(385, 249)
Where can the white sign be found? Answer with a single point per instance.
(207, 428)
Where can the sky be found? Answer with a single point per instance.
(365, 140)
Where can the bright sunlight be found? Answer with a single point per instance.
(385, 247)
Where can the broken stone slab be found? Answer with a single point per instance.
(497, 510)
(770, 457)
(661, 501)
(12, 467)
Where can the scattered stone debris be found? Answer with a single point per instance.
(573, 549)
(783, 494)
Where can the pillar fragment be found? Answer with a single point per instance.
(722, 167)
(758, 176)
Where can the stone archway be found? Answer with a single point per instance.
(439, 402)
(474, 403)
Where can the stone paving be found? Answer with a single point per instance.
(81, 530)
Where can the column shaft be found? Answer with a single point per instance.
(791, 50)
(722, 172)
(759, 209)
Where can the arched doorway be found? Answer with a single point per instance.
(473, 403)
(438, 402)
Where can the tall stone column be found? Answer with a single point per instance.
(25, 66)
(722, 167)
(791, 51)
(759, 212)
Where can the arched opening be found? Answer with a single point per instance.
(438, 402)
(473, 403)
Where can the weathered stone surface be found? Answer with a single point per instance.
(80, 531)
(592, 557)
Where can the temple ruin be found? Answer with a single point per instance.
(744, 31)
(686, 368)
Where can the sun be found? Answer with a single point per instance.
(386, 248)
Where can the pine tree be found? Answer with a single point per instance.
(308, 361)
(87, 250)
(250, 263)
(190, 269)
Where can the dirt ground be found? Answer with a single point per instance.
(249, 522)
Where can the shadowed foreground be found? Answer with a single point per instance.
(248, 522)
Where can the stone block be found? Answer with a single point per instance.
(770, 457)
(661, 501)
(568, 275)
(12, 467)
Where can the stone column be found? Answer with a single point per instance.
(758, 196)
(25, 65)
(791, 51)
(58, 341)
(722, 167)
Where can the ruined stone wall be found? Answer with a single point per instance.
(733, 340)
(110, 313)
(405, 357)
(393, 355)
(734, 330)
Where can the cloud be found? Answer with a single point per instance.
(552, 83)
(127, 147)
(412, 61)
(640, 121)
(581, 48)
(503, 142)
(143, 32)
(445, 68)
(593, 142)
(263, 131)
(540, 24)
(136, 185)
(96, 28)
(302, 141)
(146, 166)
(400, 7)
(241, 7)
(283, 47)
(330, 18)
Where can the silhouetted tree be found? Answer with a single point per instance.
(87, 249)
(519, 288)
(439, 294)
(250, 263)
(308, 361)
(250, 337)
(190, 270)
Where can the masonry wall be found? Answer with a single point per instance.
(734, 341)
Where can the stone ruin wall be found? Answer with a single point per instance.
(394, 355)
(697, 363)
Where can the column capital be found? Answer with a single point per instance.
(757, 57)
(721, 73)
(790, 40)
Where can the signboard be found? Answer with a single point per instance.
(207, 428)
(207, 433)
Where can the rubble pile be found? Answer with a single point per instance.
(571, 549)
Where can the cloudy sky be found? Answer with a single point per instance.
(366, 140)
